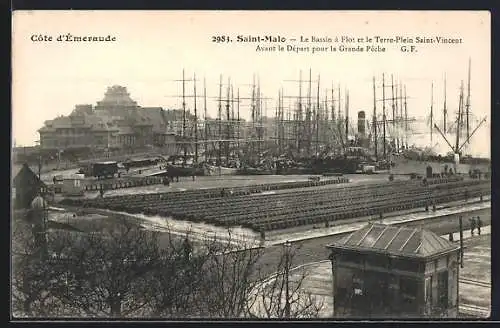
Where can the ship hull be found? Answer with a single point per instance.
(254, 171)
(185, 171)
(407, 166)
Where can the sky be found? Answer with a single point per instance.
(152, 48)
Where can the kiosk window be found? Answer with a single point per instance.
(443, 289)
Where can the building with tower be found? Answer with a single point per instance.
(115, 122)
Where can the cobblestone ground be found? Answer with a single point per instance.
(475, 287)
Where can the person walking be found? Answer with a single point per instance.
(472, 226)
(450, 236)
(479, 224)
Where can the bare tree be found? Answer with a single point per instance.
(282, 295)
(31, 277)
(178, 279)
(228, 277)
(120, 270)
(105, 273)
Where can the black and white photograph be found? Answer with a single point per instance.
(244, 165)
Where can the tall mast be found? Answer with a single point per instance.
(282, 127)
(347, 115)
(444, 107)
(195, 123)
(406, 120)
(383, 114)
(184, 115)
(219, 155)
(339, 109)
(232, 115)
(253, 100)
(205, 115)
(259, 113)
(432, 110)
(298, 130)
(252, 144)
(333, 124)
(324, 137)
(467, 104)
(333, 106)
(402, 125)
(232, 110)
(317, 118)
(308, 115)
(393, 111)
(278, 121)
(264, 117)
(375, 120)
(460, 104)
(238, 116)
(397, 118)
(284, 120)
(228, 118)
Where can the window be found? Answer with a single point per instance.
(443, 289)
(452, 287)
(428, 290)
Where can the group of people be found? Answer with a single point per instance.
(475, 223)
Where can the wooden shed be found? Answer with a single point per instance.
(27, 185)
(383, 271)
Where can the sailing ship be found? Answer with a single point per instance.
(317, 139)
(458, 129)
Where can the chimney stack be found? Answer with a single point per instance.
(361, 124)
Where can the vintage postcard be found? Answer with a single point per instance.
(251, 164)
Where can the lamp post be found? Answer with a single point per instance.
(287, 246)
(333, 261)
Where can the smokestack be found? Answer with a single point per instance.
(361, 124)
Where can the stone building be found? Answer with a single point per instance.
(116, 122)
